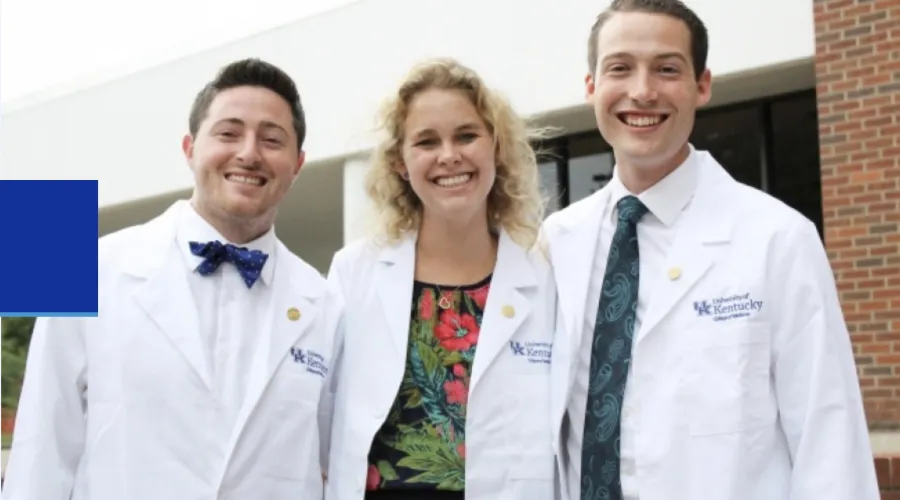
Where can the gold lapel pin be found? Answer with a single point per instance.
(508, 311)
(674, 273)
(293, 314)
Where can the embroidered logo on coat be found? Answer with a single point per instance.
(728, 308)
(535, 352)
(314, 362)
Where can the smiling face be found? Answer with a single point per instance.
(244, 157)
(448, 155)
(645, 93)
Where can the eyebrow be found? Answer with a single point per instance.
(665, 55)
(462, 128)
(238, 121)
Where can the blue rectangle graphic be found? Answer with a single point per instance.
(48, 248)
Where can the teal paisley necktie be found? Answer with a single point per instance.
(610, 358)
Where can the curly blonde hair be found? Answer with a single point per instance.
(515, 202)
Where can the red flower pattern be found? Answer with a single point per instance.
(452, 334)
(426, 305)
(479, 295)
(373, 478)
(457, 392)
(457, 332)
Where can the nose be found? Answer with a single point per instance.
(642, 88)
(249, 156)
(449, 154)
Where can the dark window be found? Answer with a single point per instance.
(551, 168)
(734, 138)
(550, 185)
(795, 171)
(591, 164)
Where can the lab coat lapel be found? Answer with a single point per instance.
(166, 296)
(291, 315)
(394, 277)
(572, 254)
(506, 308)
(701, 235)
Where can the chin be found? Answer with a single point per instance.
(640, 152)
(452, 209)
(244, 209)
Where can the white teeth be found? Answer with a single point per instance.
(642, 121)
(255, 181)
(456, 180)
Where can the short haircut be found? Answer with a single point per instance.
(671, 8)
(250, 73)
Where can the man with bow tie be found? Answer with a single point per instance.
(185, 385)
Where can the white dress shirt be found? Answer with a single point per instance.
(232, 317)
(656, 230)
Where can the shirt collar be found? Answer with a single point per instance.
(667, 198)
(192, 227)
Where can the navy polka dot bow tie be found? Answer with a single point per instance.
(249, 263)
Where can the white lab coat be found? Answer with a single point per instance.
(761, 407)
(509, 454)
(120, 406)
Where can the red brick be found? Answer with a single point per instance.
(889, 359)
(875, 348)
(857, 64)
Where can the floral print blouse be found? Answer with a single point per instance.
(422, 442)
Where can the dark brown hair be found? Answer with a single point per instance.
(254, 73)
(672, 8)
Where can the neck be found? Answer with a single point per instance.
(235, 230)
(638, 177)
(464, 249)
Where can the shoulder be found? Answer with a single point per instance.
(538, 256)
(139, 243)
(363, 249)
(120, 241)
(751, 212)
(525, 264)
(358, 257)
(127, 245)
(574, 212)
(573, 217)
(755, 212)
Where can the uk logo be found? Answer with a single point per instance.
(534, 352)
(728, 308)
(703, 308)
(313, 361)
(298, 355)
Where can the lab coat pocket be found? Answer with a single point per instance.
(528, 411)
(294, 445)
(727, 380)
(532, 477)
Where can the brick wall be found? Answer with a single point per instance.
(858, 75)
(888, 469)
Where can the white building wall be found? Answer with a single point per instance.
(356, 203)
(127, 132)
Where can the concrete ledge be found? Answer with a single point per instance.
(885, 443)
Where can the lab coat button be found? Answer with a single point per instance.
(509, 311)
(674, 273)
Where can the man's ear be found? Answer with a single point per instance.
(187, 146)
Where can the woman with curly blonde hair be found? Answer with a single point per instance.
(441, 386)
